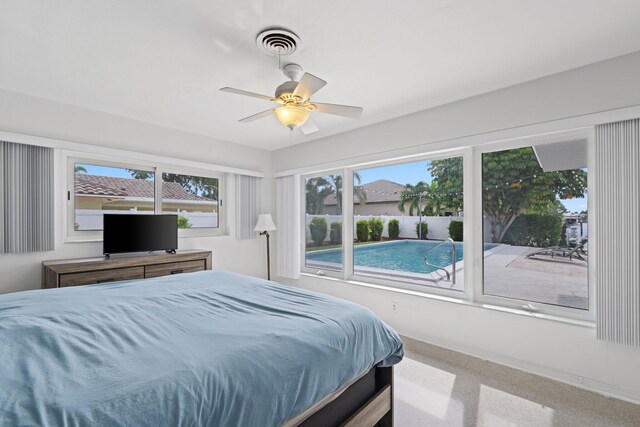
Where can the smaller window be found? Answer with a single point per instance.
(194, 198)
(323, 222)
(108, 189)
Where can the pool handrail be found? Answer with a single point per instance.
(450, 277)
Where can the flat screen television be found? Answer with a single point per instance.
(139, 233)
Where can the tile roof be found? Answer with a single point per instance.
(379, 191)
(95, 185)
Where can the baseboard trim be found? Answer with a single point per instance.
(588, 384)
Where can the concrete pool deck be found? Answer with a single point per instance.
(508, 272)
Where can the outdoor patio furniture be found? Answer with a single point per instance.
(578, 252)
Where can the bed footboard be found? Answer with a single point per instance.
(366, 403)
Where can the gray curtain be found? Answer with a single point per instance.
(26, 198)
(617, 223)
(248, 205)
(288, 222)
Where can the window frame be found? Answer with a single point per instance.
(478, 273)
(473, 271)
(303, 225)
(402, 282)
(69, 161)
(202, 231)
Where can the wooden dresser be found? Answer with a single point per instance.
(87, 271)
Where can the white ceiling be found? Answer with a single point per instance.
(163, 61)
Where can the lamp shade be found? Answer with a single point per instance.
(265, 223)
(292, 115)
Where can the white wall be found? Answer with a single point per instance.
(27, 115)
(559, 350)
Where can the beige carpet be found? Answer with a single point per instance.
(438, 387)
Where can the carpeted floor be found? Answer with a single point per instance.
(438, 387)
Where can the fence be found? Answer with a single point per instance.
(437, 225)
(91, 219)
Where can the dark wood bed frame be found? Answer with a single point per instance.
(366, 403)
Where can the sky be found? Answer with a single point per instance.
(105, 171)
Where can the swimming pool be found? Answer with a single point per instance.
(401, 255)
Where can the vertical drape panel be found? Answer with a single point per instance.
(26, 179)
(248, 205)
(617, 162)
(288, 222)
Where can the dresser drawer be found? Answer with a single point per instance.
(173, 268)
(101, 276)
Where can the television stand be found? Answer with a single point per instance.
(70, 272)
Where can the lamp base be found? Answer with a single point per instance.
(266, 233)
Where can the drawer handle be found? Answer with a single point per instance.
(177, 271)
(106, 280)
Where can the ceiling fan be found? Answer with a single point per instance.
(294, 97)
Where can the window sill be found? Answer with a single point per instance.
(453, 300)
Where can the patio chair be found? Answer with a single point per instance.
(578, 252)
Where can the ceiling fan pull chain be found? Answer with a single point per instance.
(279, 50)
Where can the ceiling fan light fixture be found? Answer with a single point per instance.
(292, 115)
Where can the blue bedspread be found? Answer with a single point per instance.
(199, 349)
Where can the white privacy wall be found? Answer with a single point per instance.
(27, 115)
(559, 350)
(438, 226)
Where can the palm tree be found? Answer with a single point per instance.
(415, 196)
(421, 195)
(335, 181)
(80, 169)
(316, 190)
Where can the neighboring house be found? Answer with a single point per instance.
(382, 198)
(95, 192)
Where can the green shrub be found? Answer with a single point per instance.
(455, 230)
(534, 230)
(376, 225)
(362, 230)
(394, 228)
(318, 229)
(336, 233)
(425, 230)
(183, 222)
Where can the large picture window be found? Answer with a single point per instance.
(534, 204)
(498, 224)
(408, 222)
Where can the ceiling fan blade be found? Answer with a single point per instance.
(309, 127)
(246, 93)
(308, 85)
(339, 110)
(256, 116)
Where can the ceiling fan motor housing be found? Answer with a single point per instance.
(285, 91)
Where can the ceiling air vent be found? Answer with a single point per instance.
(278, 41)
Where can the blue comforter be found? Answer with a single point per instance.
(199, 349)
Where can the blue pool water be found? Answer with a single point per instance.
(402, 255)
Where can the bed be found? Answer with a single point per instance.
(199, 349)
